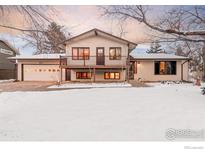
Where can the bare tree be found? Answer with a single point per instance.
(49, 41)
(34, 16)
(122, 29)
(181, 24)
(43, 33)
(188, 17)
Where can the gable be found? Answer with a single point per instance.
(107, 36)
(95, 41)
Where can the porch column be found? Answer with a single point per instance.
(94, 74)
(182, 71)
(60, 69)
(128, 74)
(135, 67)
(61, 74)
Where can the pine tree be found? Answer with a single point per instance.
(55, 35)
(48, 41)
(155, 48)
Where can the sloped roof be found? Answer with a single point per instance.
(96, 31)
(39, 56)
(155, 56)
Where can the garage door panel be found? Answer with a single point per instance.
(41, 73)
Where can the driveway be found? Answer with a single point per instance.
(25, 86)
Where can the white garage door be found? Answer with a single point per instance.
(41, 73)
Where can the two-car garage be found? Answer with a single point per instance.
(43, 67)
(40, 72)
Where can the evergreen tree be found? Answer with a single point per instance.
(155, 48)
(49, 40)
(55, 35)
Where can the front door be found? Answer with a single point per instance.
(67, 74)
(100, 57)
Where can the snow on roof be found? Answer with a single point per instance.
(39, 56)
(156, 56)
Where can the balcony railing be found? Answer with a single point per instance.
(90, 61)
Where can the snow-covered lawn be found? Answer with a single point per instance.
(122, 114)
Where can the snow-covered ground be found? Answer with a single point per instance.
(122, 114)
(9, 80)
(91, 85)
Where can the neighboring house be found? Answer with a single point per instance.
(7, 68)
(98, 56)
(159, 67)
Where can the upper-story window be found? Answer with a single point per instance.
(115, 53)
(80, 53)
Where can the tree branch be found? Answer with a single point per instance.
(21, 29)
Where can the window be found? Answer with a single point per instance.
(111, 75)
(80, 53)
(165, 67)
(75, 53)
(83, 75)
(115, 53)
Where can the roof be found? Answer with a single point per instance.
(10, 46)
(39, 56)
(96, 31)
(155, 56)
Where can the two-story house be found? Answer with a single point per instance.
(99, 56)
(92, 56)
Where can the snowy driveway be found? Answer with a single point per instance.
(10, 86)
(101, 114)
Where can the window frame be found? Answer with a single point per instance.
(165, 61)
(82, 75)
(78, 57)
(120, 57)
(112, 78)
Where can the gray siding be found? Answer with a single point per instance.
(7, 68)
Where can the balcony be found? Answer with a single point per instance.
(93, 62)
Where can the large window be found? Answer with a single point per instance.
(165, 67)
(112, 75)
(83, 75)
(115, 53)
(80, 53)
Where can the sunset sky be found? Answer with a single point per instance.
(78, 19)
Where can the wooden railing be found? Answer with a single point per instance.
(93, 61)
